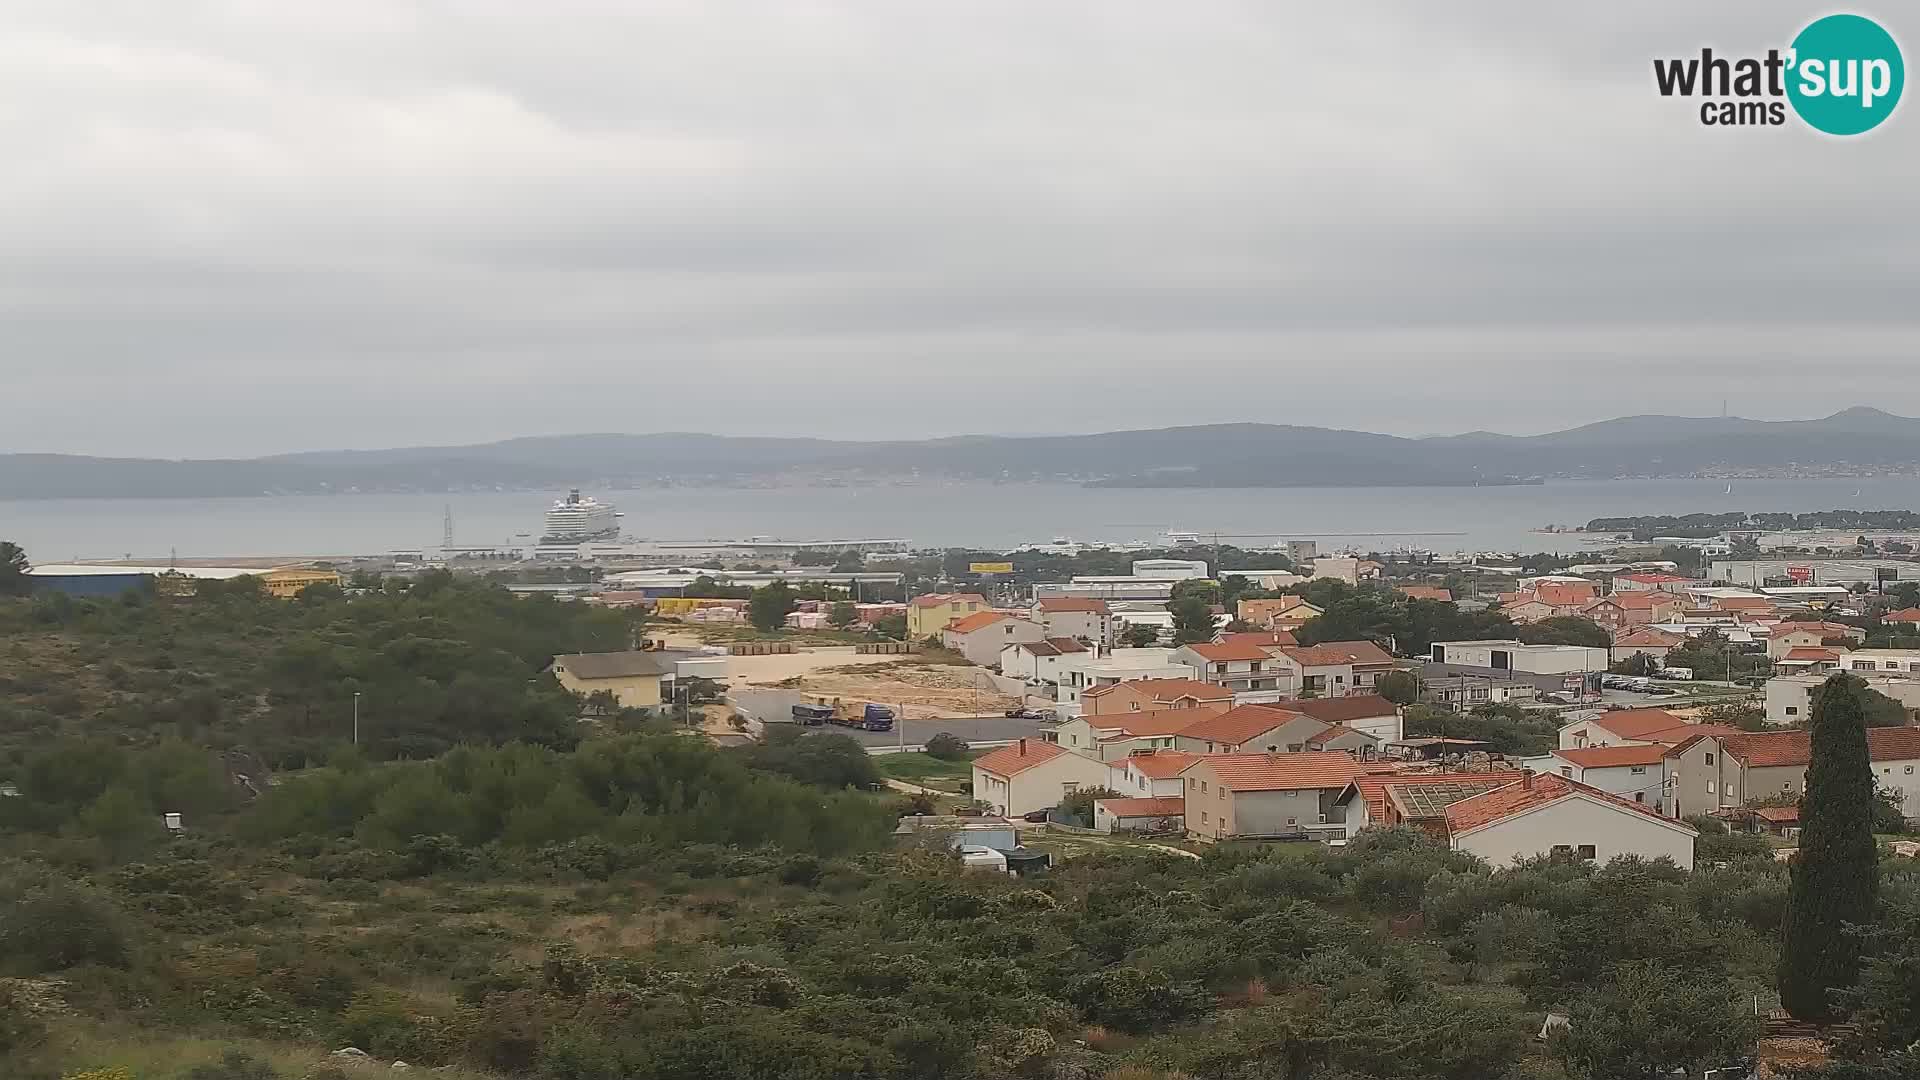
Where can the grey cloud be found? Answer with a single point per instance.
(420, 224)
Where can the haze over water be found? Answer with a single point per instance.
(930, 515)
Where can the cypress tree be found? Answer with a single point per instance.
(1835, 876)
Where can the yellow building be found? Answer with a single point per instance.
(287, 581)
(633, 678)
(928, 615)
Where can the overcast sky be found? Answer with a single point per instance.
(239, 228)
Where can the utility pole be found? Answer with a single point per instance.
(356, 718)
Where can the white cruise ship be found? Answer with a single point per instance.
(580, 517)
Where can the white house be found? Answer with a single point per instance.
(1150, 773)
(1081, 618)
(1635, 772)
(1032, 775)
(1113, 736)
(980, 637)
(1051, 660)
(1085, 671)
(1552, 815)
(1628, 727)
(1242, 667)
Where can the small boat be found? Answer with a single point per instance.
(1729, 490)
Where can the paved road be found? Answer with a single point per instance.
(776, 706)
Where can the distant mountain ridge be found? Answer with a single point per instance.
(1851, 442)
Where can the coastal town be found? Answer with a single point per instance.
(1650, 700)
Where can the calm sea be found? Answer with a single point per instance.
(931, 515)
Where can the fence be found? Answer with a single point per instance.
(874, 648)
(759, 648)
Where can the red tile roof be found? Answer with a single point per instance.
(1743, 603)
(1607, 757)
(1635, 599)
(1337, 653)
(1426, 592)
(979, 620)
(1159, 764)
(1281, 772)
(1565, 593)
(1811, 654)
(1334, 732)
(1266, 638)
(1228, 651)
(1162, 806)
(1904, 615)
(1018, 758)
(940, 599)
(1054, 605)
(1779, 815)
(1165, 690)
(1138, 725)
(1237, 725)
(1374, 788)
(1761, 749)
(1531, 794)
(1653, 579)
(1637, 723)
(1649, 636)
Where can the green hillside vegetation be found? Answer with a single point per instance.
(511, 893)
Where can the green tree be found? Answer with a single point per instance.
(1566, 630)
(1646, 1020)
(1835, 876)
(123, 823)
(947, 746)
(13, 570)
(1397, 686)
(1139, 636)
(842, 615)
(1192, 620)
(770, 605)
(891, 626)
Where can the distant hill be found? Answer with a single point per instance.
(1853, 441)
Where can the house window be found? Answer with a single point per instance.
(1637, 770)
(1222, 794)
(1203, 817)
(1292, 822)
(1709, 759)
(1566, 771)
(1793, 710)
(1587, 851)
(1709, 787)
(1203, 785)
(1563, 849)
(1639, 796)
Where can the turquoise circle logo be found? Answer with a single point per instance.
(1846, 74)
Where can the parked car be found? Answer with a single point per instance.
(1036, 816)
(1024, 713)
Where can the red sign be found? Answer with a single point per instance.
(1800, 574)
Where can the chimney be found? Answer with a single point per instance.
(1526, 779)
(1023, 748)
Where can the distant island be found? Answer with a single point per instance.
(1698, 526)
(1854, 442)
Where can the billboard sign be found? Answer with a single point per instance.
(1800, 575)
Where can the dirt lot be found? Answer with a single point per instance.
(921, 689)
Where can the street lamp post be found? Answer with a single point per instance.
(356, 718)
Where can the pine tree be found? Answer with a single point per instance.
(1835, 876)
